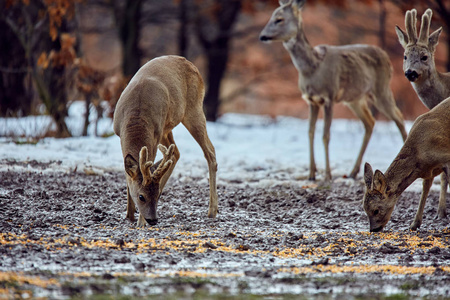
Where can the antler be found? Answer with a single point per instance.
(425, 26)
(145, 165)
(411, 27)
(410, 24)
(165, 163)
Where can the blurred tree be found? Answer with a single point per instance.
(214, 22)
(128, 19)
(441, 9)
(39, 27)
(16, 92)
(89, 81)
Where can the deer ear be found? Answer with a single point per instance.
(379, 182)
(402, 36)
(433, 39)
(368, 175)
(131, 166)
(299, 3)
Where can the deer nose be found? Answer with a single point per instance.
(264, 38)
(152, 221)
(411, 75)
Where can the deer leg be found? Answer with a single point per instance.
(426, 185)
(313, 113)
(328, 116)
(362, 111)
(442, 213)
(387, 106)
(196, 125)
(398, 119)
(131, 209)
(167, 141)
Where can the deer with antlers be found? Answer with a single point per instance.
(419, 66)
(352, 74)
(431, 86)
(164, 92)
(425, 154)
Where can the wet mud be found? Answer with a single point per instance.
(64, 235)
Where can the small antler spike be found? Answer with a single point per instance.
(425, 26)
(165, 163)
(161, 170)
(410, 24)
(144, 164)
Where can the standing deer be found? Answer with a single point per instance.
(353, 74)
(425, 154)
(431, 86)
(164, 92)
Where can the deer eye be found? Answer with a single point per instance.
(405, 58)
(424, 58)
(141, 198)
(376, 212)
(278, 21)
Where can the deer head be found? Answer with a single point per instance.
(144, 183)
(378, 203)
(419, 51)
(284, 23)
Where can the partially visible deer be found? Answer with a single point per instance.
(353, 74)
(425, 154)
(164, 92)
(431, 86)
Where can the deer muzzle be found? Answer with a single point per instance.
(411, 75)
(264, 38)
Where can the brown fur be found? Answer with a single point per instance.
(353, 74)
(425, 154)
(166, 91)
(431, 86)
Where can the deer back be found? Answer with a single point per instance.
(347, 72)
(155, 101)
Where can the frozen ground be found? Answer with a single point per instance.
(63, 232)
(252, 150)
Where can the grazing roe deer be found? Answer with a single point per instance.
(353, 74)
(431, 86)
(164, 92)
(425, 154)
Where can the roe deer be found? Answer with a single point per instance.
(425, 154)
(431, 86)
(354, 74)
(164, 92)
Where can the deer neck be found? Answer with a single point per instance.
(401, 173)
(134, 138)
(432, 89)
(303, 55)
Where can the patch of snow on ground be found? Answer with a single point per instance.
(255, 150)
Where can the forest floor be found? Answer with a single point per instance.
(64, 235)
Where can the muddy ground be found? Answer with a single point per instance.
(63, 235)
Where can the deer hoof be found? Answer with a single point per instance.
(414, 226)
(441, 215)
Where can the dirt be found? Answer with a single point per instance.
(64, 235)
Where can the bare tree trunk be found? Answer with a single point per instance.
(129, 32)
(86, 114)
(216, 48)
(182, 32)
